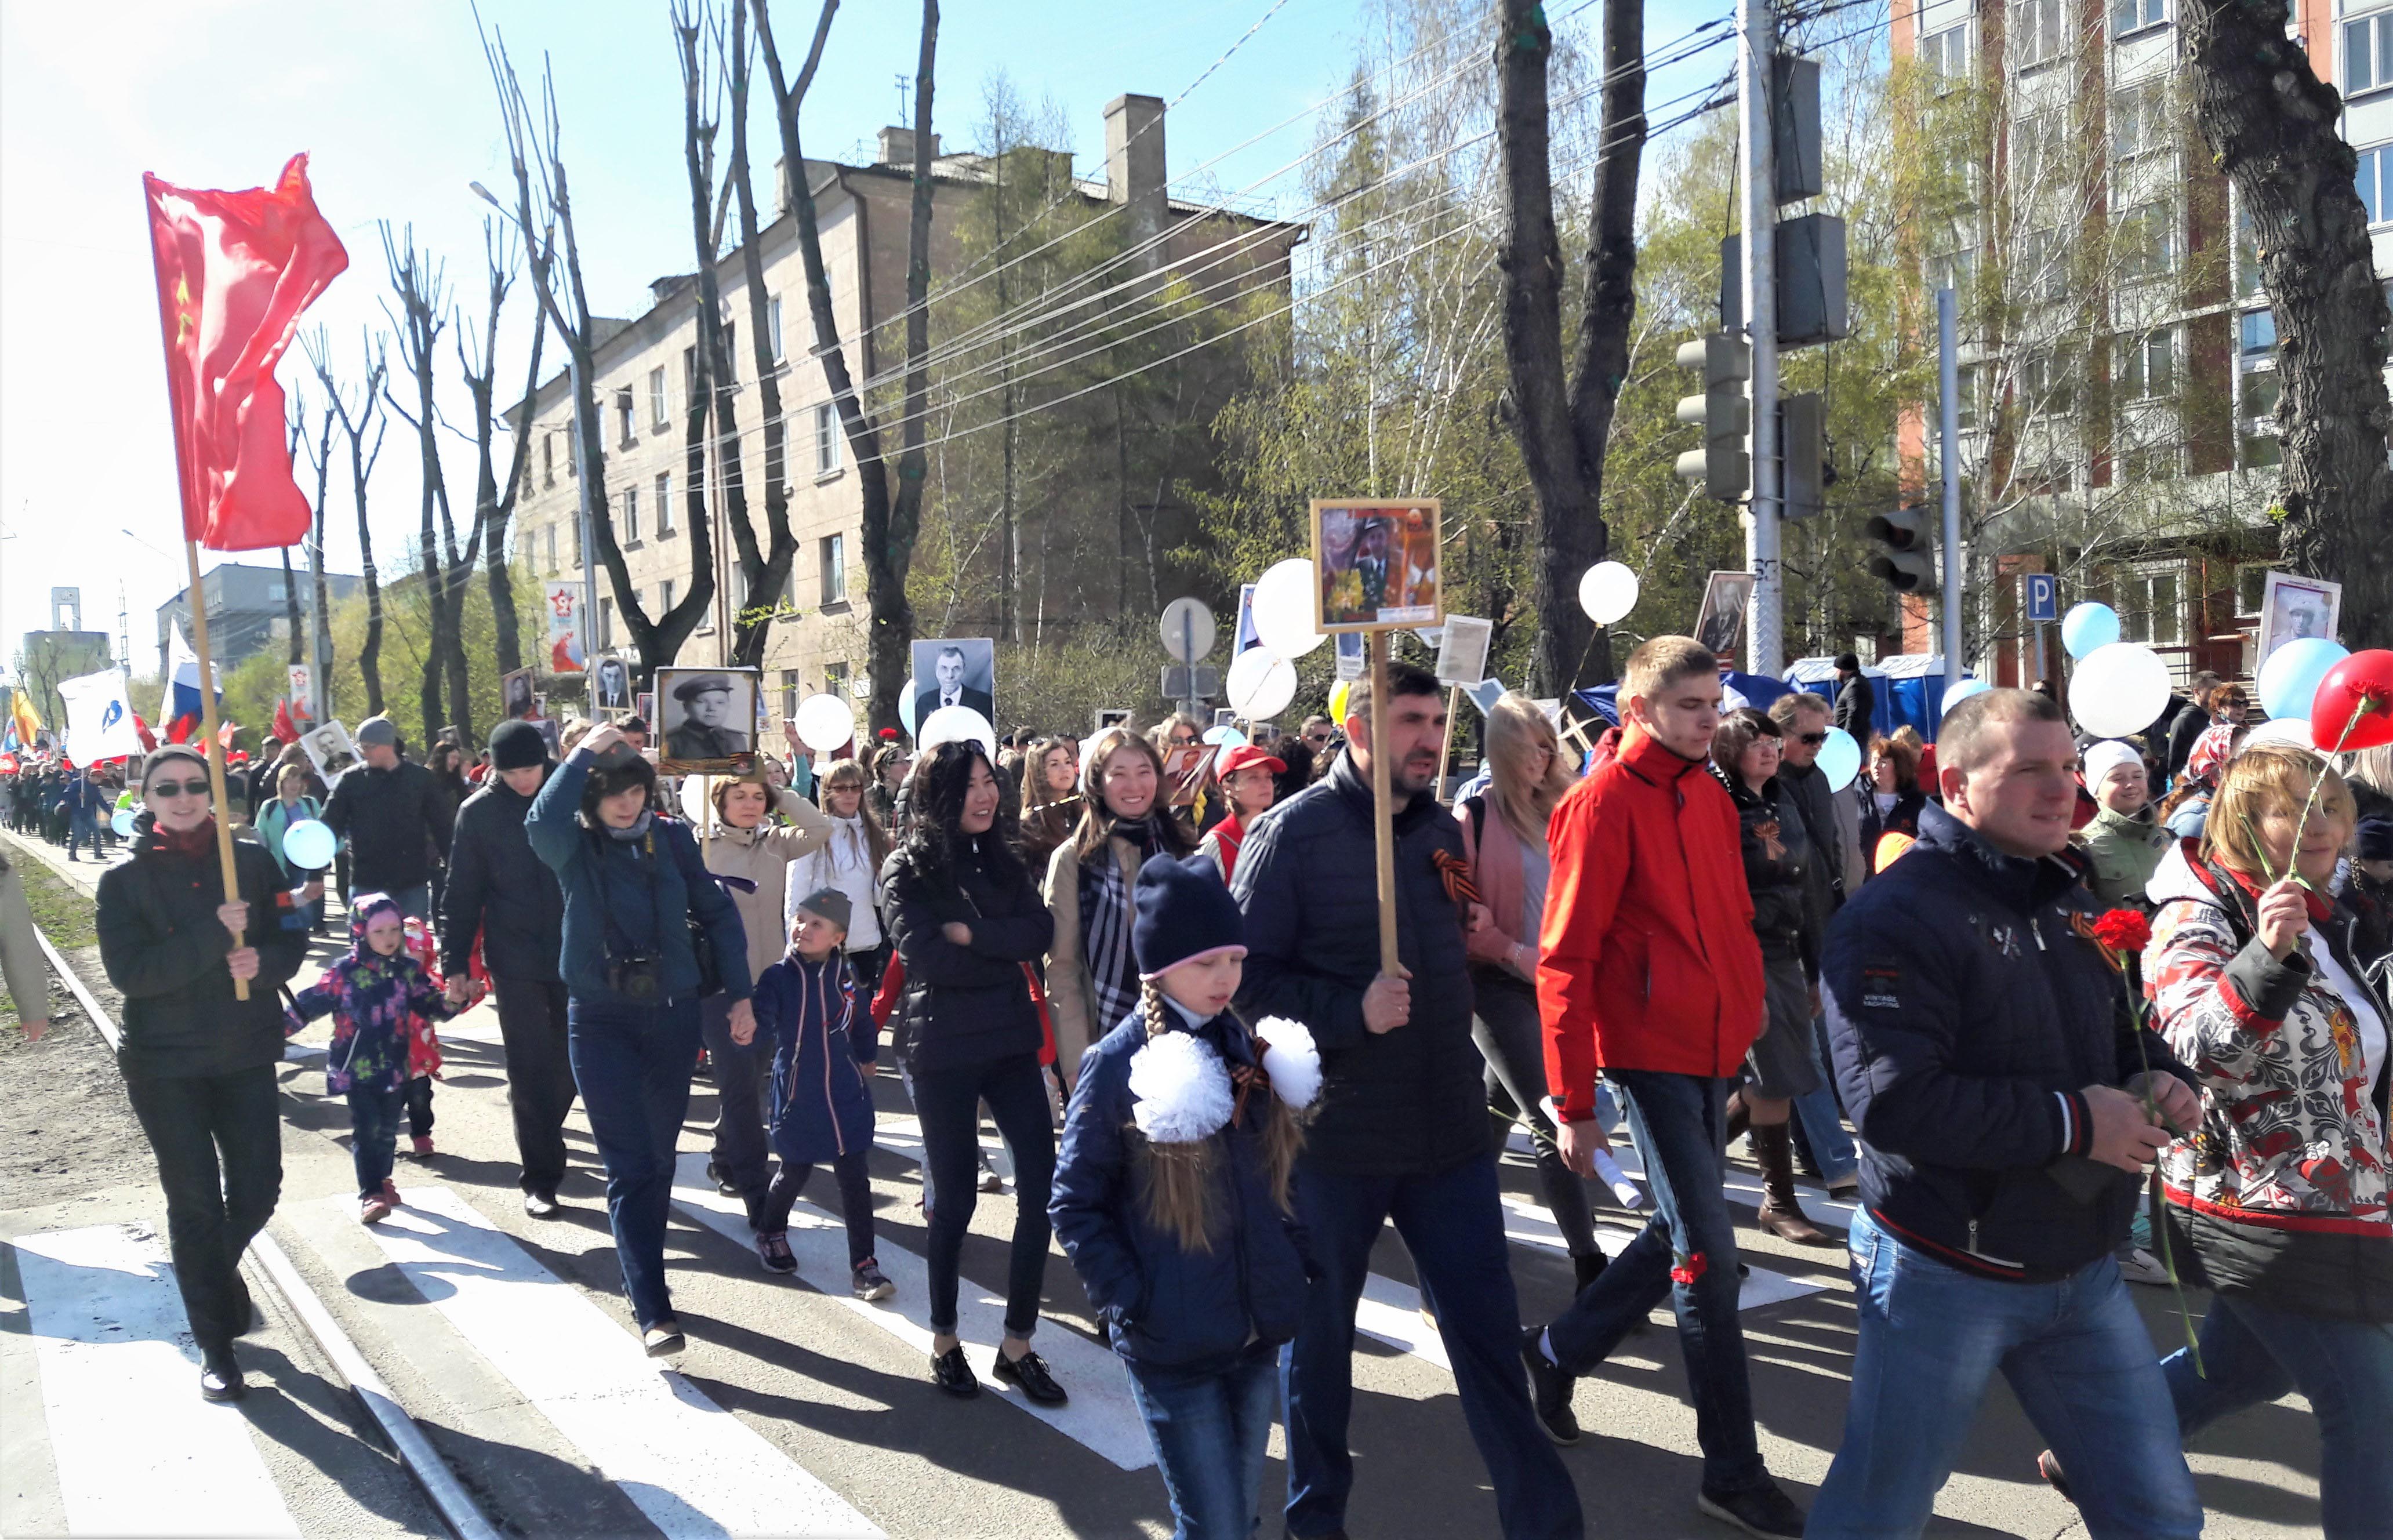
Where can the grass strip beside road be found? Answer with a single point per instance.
(63, 911)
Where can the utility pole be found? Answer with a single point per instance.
(1753, 46)
(1948, 387)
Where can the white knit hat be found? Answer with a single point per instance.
(2106, 756)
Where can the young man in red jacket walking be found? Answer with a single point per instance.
(1650, 973)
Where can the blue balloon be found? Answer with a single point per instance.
(1841, 759)
(310, 844)
(2289, 680)
(1962, 690)
(123, 823)
(2087, 627)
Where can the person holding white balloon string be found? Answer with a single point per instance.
(850, 862)
(292, 805)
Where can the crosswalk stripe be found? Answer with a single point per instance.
(691, 1467)
(1527, 1223)
(1101, 1413)
(137, 1452)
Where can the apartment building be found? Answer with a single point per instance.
(645, 366)
(2118, 416)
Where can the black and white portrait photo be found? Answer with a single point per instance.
(955, 672)
(708, 716)
(613, 681)
(330, 750)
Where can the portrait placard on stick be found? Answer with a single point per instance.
(707, 721)
(1376, 563)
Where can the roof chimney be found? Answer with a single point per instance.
(897, 148)
(1134, 170)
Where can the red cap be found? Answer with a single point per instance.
(1245, 756)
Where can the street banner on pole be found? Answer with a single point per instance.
(568, 644)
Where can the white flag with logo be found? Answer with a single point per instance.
(100, 720)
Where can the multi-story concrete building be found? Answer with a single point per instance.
(644, 367)
(2119, 388)
(248, 609)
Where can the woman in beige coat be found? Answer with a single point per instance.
(21, 955)
(752, 854)
(1092, 978)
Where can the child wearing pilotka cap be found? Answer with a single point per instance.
(1172, 1196)
(824, 1049)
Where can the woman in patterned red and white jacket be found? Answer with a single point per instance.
(2278, 1201)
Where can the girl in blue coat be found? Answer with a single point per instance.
(823, 1051)
(1173, 1197)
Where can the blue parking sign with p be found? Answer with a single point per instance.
(2043, 596)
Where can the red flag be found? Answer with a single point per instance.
(234, 271)
(285, 730)
(148, 738)
(224, 733)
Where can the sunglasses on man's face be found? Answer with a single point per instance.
(1812, 740)
(179, 789)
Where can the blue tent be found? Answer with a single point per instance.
(1909, 690)
(1759, 691)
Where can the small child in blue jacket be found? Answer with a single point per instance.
(823, 1051)
(1172, 1196)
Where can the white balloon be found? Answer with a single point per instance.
(1841, 759)
(1260, 684)
(906, 709)
(1957, 693)
(2294, 730)
(1283, 611)
(1607, 592)
(824, 722)
(956, 724)
(2118, 689)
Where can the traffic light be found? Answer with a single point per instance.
(1902, 561)
(1724, 414)
(1803, 449)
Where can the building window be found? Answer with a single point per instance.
(731, 354)
(664, 505)
(690, 373)
(834, 568)
(631, 516)
(835, 679)
(1964, 398)
(2368, 54)
(2038, 149)
(2150, 609)
(552, 550)
(664, 598)
(659, 410)
(623, 417)
(772, 324)
(2148, 464)
(548, 460)
(1947, 53)
(2251, 586)
(2247, 255)
(789, 694)
(1957, 271)
(606, 622)
(2043, 382)
(2134, 16)
(2140, 120)
(2039, 37)
(2145, 241)
(573, 448)
(2047, 265)
(2375, 168)
(826, 439)
(2148, 366)
(2259, 334)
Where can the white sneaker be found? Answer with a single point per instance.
(2139, 1266)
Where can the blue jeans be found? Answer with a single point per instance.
(83, 824)
(373, 1133)
(1678, 1122)
(1209, 1432)
(633, 1064)
(2076, 1355)
(1453, 1225)
(2253, 1353)
(1823, 1119)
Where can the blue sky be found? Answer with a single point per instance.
(395, 105)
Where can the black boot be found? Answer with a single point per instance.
(1589, 1268)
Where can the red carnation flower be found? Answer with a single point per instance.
(2123, 930)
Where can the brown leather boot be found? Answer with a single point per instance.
(1737, 1122)
(1780, 1214)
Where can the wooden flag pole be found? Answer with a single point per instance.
(214, 749)
(1383, 825)
(1446, 744)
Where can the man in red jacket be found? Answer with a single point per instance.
(1650, 973)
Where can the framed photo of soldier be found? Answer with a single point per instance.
(516, 696)
(612, 684)
(330, 750)
(2292, 608)
(1720, 624)
(1376, 561)
(707, 718)
(955, 672)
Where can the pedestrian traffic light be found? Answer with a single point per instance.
(1722, 411)
(1902, 561)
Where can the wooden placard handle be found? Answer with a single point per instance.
(216, 749)
(1383, 825)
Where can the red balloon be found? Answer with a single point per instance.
(2354, 705)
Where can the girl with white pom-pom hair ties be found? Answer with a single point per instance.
(1172, 1196)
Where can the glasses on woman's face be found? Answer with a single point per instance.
(179, 789)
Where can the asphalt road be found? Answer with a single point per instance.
(800, 1410)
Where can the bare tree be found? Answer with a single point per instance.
(494, 497)
(319, 459)
(1563, 419)
(423, 313)
(545, 204)
(292, 621)
(893, 516)
(357, 424)
(2275, 129)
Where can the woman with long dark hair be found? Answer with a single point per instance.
(968, 925)
(633, 883)
(1091, 975)
(198, 1062)
(1050, 798)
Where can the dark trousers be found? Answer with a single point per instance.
(1452, 1223)
(218, 1139)
(539, 1075)
(633, 1064)
(419, 1107)
(947, 1102)
(1685, 1254)
(741, 1156)
(1512, 1040)
(373, 1133)
(854, 1201)
(83, 828)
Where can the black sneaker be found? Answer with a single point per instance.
(2048, 1465)
(773, 1250)
(867, 1281)
(951, 1374)
(1029, 1372)
(722, 1180)
(1762, 1510)
(1549, 1389)
(220, 1378)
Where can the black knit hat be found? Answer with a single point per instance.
(168, 754)
(2376, 838)
(1183, 913)
(516, 746)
